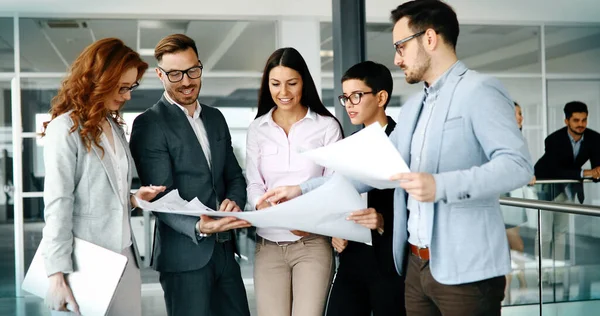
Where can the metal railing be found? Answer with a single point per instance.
(559, 207)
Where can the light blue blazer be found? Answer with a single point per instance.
(475, 153)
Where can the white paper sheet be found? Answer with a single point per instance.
(96, 275)
(322, 211)
(367, 156)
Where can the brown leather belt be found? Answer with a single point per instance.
(422, 253)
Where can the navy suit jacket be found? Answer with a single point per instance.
(167, 152)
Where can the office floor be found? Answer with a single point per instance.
(152, 295)
(153, 304)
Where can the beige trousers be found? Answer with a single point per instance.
(293, 279)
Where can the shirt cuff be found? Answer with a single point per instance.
(582, 174)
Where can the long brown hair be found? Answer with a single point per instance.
(93, 76)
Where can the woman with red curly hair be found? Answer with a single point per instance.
(89, 169)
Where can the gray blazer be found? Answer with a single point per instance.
(475, 153)
(167, 152)
(81, 195)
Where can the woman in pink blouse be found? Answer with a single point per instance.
(292, 270)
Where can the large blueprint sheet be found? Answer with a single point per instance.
(322, 211)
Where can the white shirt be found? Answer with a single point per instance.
(198, 127)
(121, 166)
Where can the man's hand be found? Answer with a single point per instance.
(368, 218)
(419, 185)
(280, 194)
(596, 173)
(532, 182)
(59, 294)
(229, 206)
(339, 244)
(209, 225)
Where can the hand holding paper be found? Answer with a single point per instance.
(367, 156)
(280, 194)
(419, 185)
(322, 211)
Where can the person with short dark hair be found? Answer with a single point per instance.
(366, 280)
(186, 146)
(566, 151)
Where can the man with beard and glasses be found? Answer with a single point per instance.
(464, 148)
(567, 150)
(186, 146)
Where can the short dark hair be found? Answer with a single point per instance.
(172, 44)
(433, 14)
(289, 57)
(376, 76)
(575, 107)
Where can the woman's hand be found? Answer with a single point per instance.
(147, 193)
(59, 294)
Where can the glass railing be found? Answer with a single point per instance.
(570, 191)
(565, 278)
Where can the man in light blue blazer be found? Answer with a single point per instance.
(464, 149)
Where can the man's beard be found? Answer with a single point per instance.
(420, 68)
(574, 131)
(180, 98)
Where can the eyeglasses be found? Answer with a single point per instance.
(177, 75)
(123, 90)
(399, 45)
(354, 98)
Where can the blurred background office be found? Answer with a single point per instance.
(546, 55)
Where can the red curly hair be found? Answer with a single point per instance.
(93, 76)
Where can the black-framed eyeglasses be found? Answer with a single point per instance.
(399, 45)
(177, 75)
(123, 90)
(354, 98)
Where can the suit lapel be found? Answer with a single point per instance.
(181, 126)
(121, 137)
(108, 166)
(407, 122)
(439, 115)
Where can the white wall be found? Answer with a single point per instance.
(496, 11)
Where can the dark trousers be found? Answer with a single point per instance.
(427, 297)
(216, 290)
(358, 291)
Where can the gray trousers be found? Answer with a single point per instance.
(217, 289)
